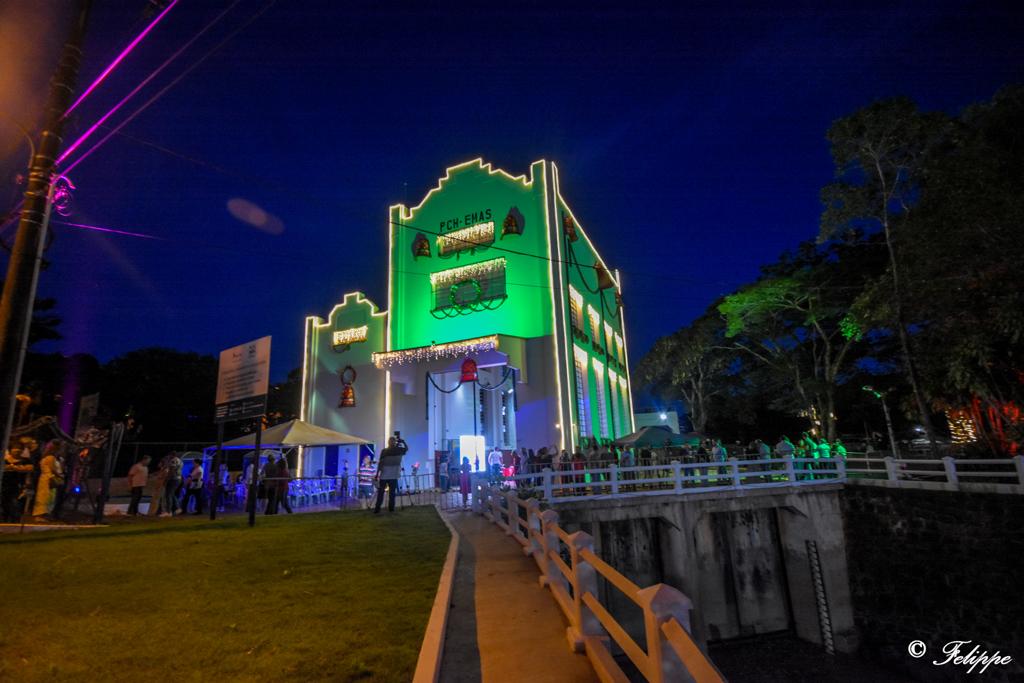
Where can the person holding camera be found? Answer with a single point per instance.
(388, 470)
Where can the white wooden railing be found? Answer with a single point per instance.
(677, 478)
(1005, 475)
(669, 653)
(997, 475)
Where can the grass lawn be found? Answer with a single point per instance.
(318, 596)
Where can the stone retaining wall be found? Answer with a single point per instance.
(936, 566)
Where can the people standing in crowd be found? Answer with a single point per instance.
(367, 472)
(268, 486)
(543, 458)
(807, 448)
(223, 484)
(266, 492)
(591, 456)
(524, 459)
(138, 476)
(194, 487)
(579, 464)
(388, 470)
(60, 493)
(51, 476)
(558, 460)
(17, 473)
(442, 472)
(494, 464)
(718, 452)
(77, 468)
(343, 481)
(703, 451)
(784, 448)
(157, 487)
(839, 449)
(627, 459)
(32, 452)
(251, 479)
(172, 481)
(284, 477)
(464, 481)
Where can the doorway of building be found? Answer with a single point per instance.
(468, 419)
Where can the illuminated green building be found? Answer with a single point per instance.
(504, 327)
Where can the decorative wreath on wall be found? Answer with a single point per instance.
(453, 294)
(477, 302)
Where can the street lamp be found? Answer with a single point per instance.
(888, 420)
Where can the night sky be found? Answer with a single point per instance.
(691, 144)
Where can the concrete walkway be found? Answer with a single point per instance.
(503, 626)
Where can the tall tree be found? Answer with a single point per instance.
(880, 152)
(169, 393)
(803, 319)
(44, 322)
(688, 364)
(964, 261)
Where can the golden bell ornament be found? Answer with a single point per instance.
(420, 246)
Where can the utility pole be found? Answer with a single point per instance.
(23, 267)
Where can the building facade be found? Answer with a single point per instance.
(504, 327)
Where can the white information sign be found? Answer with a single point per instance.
(242, 381)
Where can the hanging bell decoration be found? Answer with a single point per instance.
(348, 392)
(604, 279)
(513, 224)
(569, 227)
(420, 246)
(469, 373)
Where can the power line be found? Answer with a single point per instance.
(156, 72)
(120, 57)
(160, 93)
(9, 218)
(298, 258)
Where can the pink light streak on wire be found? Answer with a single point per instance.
(92, 129)
(110, 230)
(120, 58)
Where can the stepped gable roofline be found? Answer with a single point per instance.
(356, 297)
(407, 212)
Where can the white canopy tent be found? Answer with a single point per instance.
(290, 435)
(295, 433)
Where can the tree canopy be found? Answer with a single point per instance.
(911, 284)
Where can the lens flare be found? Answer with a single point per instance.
(253, 215)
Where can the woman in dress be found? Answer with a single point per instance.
(51, 476)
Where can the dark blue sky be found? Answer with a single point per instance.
(691, 145)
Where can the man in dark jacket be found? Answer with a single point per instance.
(388, 470)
